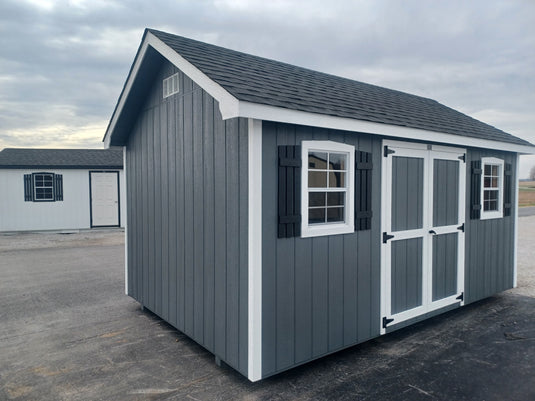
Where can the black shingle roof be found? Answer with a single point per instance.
(264, 81)
(61, 158)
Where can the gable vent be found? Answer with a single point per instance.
(170, 85)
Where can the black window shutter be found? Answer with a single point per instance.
(58, 187)
(289, 191)
(507, 189)
(28, 188)
(363, 190)
(475, 190)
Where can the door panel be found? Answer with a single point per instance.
(444, 265)
(104, 199)
(407, 193)
(422, 257)
(445, 192)
(406, 274)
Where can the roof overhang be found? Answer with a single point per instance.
(231, 107)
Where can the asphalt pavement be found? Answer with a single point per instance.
(68, 332)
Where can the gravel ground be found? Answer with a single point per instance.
(526, 257)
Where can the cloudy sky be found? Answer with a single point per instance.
(63, 63)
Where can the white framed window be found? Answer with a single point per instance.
(491, 188)
(170, 85)
(43, 187)
(328, 187)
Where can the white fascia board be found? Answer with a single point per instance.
(279, 114)
(125, 223)
(515, 229)
(255, 251)
(228, 104)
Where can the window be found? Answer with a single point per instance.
(170, 85)
(43, 187)
(327, 193)
(492, 188)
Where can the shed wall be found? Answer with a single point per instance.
(489, 243)
(319, 294)
(71, 213)
(187, 217)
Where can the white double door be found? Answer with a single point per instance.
(423, 214)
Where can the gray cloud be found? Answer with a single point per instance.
(63, 63)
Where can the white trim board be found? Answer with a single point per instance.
(125, 223)
(231, 107)
(254, 353)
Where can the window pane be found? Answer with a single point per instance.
(316, 199)
(490, 195)
(337, 180)
(487, 182)
(487, 169)
(317, 179)
(335, 214)
(495, 171)
(335, 198)
(38, 180)
(337, 161)
(316, 216)
(317, 160)
(494, 182)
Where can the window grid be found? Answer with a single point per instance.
(491, 187)
(43, 186)
(327, 187)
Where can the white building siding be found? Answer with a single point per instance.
(71, 213)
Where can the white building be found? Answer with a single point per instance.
(61, 189)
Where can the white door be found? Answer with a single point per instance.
(423, 211)
(104, 198)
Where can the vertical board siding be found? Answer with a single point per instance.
(318, 294)
(187, 217)
(489, 243)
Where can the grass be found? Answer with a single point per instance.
(526, 193)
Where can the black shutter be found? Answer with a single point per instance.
(363, 190)
(475, 190)
(58, 187)
(289, 191)
(28, 188)
(507, 189)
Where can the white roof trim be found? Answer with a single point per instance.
(231, 107)
(228, 104)
(279, 114)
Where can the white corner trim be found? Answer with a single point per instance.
(125, 223)
(255, 250)
(515, 230)
(265, 112)
(228, 104)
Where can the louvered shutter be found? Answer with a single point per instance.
(507, 189)
(58, 187)
(28, 188)
(475, 190)
(289, 191)
(363, 190)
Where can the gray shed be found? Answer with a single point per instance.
(277, 214)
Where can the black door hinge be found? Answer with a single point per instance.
(388, 151)
(386, 322)
(461, 227)
(386, 237)
(463, 157)
(461, 297)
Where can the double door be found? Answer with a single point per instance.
(423, 212)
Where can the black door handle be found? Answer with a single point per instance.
(432, 232)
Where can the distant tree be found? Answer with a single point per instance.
(532, 174)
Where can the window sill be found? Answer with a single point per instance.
(327, 229)
(491, 215)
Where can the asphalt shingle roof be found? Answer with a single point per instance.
(269, 82)
(61, 158)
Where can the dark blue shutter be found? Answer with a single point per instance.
(363, 190)
(58, 187)
(28, 188)
(475, 190)
(289, 192)
(507, 189)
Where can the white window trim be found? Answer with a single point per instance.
(493, 214)
(170, 85)
(348, 226)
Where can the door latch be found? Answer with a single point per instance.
(432, 232)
